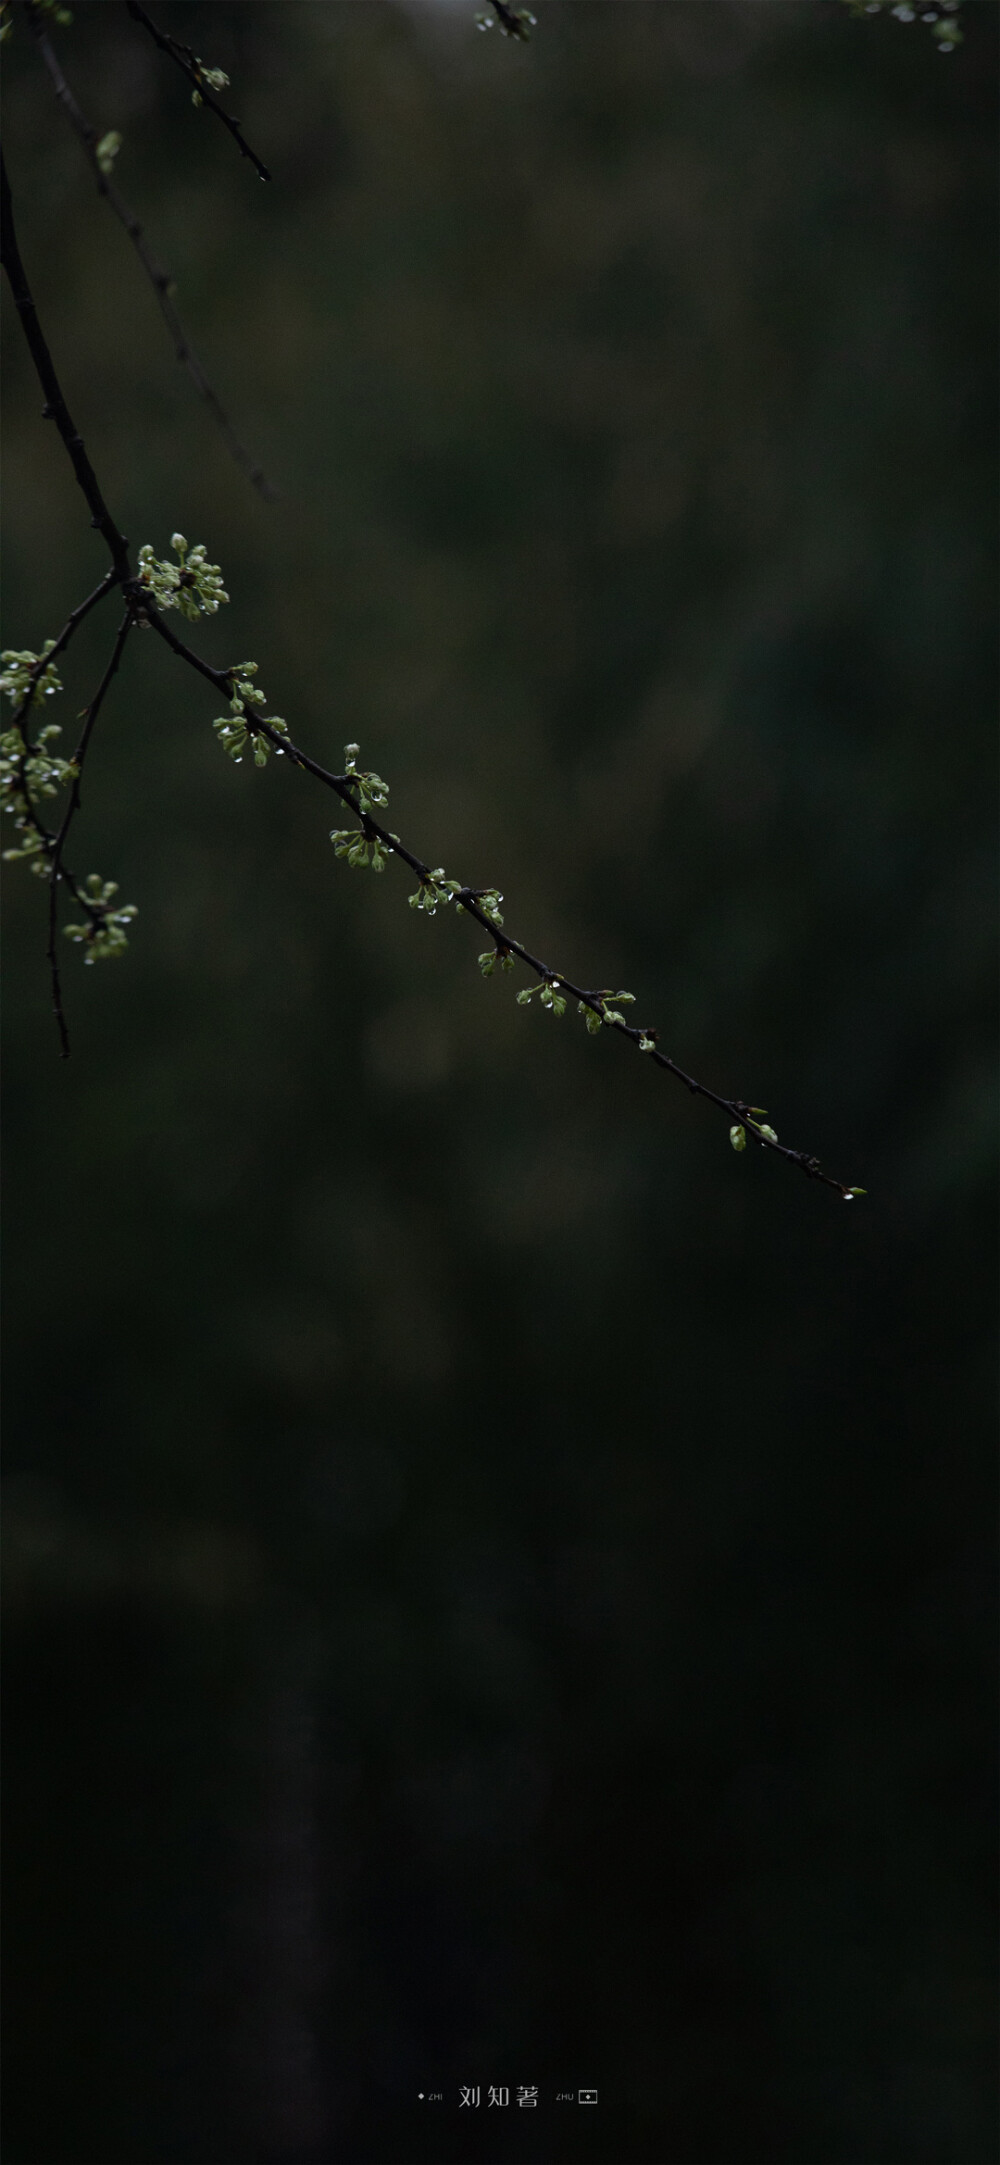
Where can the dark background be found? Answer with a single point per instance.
(500, 1589)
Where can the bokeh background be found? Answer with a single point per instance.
(500, 1589)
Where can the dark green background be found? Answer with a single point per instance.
(499, 1588)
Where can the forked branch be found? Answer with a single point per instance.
(194, 586)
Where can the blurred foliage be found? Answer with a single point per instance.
(943, 19)
(498, 1583)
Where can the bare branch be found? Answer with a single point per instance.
(160, 278)
(55, 408)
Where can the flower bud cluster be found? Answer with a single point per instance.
(548, 993)
(359, 848)
(104, 933)
(434, 890)
(596, 1013)
(30, 772)
(373, 793)
(24, 774)
(239, 728)
(23, 671)
(192, 585)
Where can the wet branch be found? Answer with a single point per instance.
(75, 618)
(737, 1110)
(140, 607)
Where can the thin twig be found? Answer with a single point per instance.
(160, 279)
(75, 617)
(54, 844)
(187, 61)
(22, 710)
(56, 853)
(32, 818)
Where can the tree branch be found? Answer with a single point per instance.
(22, 710)
(140, 605)
(190, 66)
(55, 408)
(75, 617)
(739, 1113)
(159, 278)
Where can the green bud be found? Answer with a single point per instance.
(738, 1137)
(489, 902)
(107, 150)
